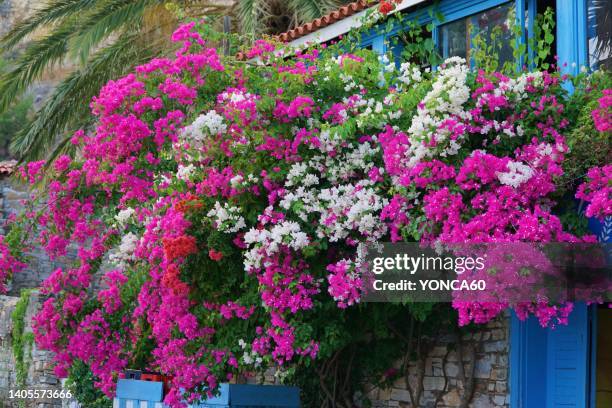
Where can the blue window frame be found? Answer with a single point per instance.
(455, 38)
(579, 28)
(453, 11)
(572, 35)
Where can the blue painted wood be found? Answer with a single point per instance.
(139, 390)
(550, 368)
(379, 45)
(567, 367)
(451, 10)
(528, 361)
(253, 396)
(601, 229)
(516, 368)
(572, 35)
(131, 392)
(535, 372)
(520, 7)
(532, 7)
(455, 10)
(219, 401)
(264, 396)
(593, 356)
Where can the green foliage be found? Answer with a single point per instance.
(362, 346)
(540, 44)
(22, 341)
(417, 44)
(534, 53)
(587, 146)
(13, 119)
(80, 382)
(486, 50)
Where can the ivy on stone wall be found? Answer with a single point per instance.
(22, 341)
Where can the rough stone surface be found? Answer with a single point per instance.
(40, 374)
(40, 266)
(491, 388)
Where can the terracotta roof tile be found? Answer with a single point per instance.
(328, 19)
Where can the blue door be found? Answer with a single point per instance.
(568, 362)
(550, 368)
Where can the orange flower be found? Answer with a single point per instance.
(172, 281)
(179, 247)
(189, 203)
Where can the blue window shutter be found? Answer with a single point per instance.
(567, 372)
(572, 35)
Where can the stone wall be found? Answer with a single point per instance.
(13, 11)
(39, 265)
(485, 369)
(40, 373)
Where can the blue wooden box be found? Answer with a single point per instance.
(148, 394)
(139, 394)
(253, 396)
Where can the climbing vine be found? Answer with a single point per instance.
(22, 341)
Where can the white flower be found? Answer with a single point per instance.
(236, 180)
(125, 251)
(310, 180)
(518, 174)
(213, 121)
(185, 172)
(445, 100)
(227, 218)
(128, 243)
(124, 215)
(268, 242)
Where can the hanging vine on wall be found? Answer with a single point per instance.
(22, 341)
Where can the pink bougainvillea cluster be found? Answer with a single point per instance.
(232, 199)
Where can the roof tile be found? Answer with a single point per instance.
(328, 19)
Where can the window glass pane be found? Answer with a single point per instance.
(455, 37)
(599, 33)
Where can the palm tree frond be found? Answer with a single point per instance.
(53, 11)
(308, 10)
(105, 20)
(66, 111)
(38, 57)
(249, 12)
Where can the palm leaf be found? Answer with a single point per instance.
(249, 12)
(308, 10)
(67, 109)
(39, 56)
(108, 17)
(53, 11)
